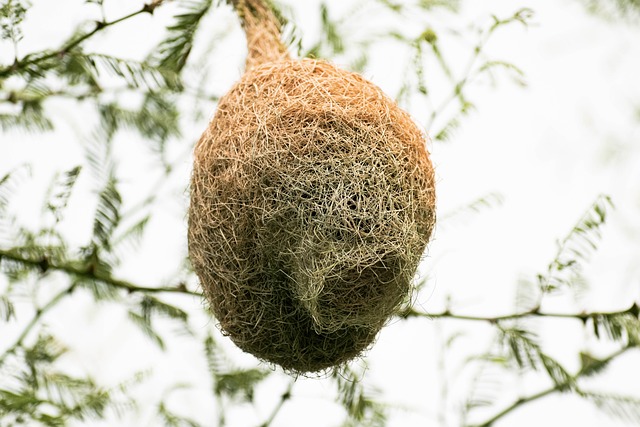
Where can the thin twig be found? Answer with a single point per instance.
(283, 399)
(534, 312)
(556, 388)
(74, 42)
(34, 321)
(89, 272)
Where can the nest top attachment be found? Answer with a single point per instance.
(312, 201)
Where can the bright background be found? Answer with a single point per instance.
(547, 149)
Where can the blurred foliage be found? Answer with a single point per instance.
(44, 272)
(614, 9)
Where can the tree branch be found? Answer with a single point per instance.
(88, 271)
(283, 399)
(534, 312)
(556, 388)
(33, 59)
(34, 321)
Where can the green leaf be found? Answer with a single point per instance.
(157, 118)
(330, 31)
(624, 327)
(516, 73)
(239, 384)
(391, 5)
(78, 69)
(107, 216)
(132, 236)
(31, 118)
(528, 354)
(45, 350)
(623, 407)
(170, 419)
(10, 183)
(18, 402)
(12, 13)
(144, 323)
(431, 4)
(136, 74)
(97, 152)
(216, 360)
(100, 291)
(576, 248)
(59, 192)
(228, 381)
(150, 305)
(173, 52)
(361, 407)
(7, 311)
(523, 16)
(590, 365)
(488, 201)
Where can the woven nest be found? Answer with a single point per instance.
(312, 201)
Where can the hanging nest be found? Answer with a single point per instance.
(312, 201)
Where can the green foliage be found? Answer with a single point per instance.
(362, 408)
(622, 407)
(173, 52)
(228, 381)
(330, 31)
(619, 327)
(42, 396)
(30, 118)
(42, 269)
(474, 207)
(614, 8)
(528, 354)
(400, 7)
(107, 216)
(576, 248)
(12, 14)
(446, 113)
(170, 419)
(59, 192)
(9, 184)
(7, 310)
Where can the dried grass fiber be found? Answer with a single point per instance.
(312, 201)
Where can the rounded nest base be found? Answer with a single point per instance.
(312, 201)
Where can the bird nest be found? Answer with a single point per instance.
(312, 201)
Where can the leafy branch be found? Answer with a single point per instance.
(40, 312)
(284, 398)
(84, 270)
(584, 316)
(522, 16)
(557, 387)
(31, 62)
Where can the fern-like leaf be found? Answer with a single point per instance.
(623, 407)
(170, 419)
(576, 248)
(361, 408)
(7, 311)
(31, 118)
(239, 384)
(59, 192)
(528, 354)
(150, 305)
(144, 324)
(623, 327)
(173, 52)
(488, 201)
(107, 216)
(10, 182)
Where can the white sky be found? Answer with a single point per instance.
(549, 149)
